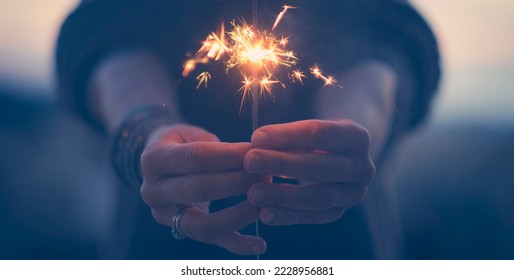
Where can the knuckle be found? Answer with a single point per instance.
(146, 159)
(321, 132)
(147, 194)
(194, 192)
(192, 154)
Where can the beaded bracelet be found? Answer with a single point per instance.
(129, 140)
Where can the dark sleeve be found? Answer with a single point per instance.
(402, 38)
(394, 32)
(97, 28)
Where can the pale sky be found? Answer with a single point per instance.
(472, 31)
(477, 42)
(28, 29)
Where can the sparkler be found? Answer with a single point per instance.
(258, 55)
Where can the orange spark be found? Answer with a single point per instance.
(188, 68)
(297, 76)
(318, 74)
(265, 85)
(284, 41)
(212, 48)
(248, 84)
(203, 78)
(330, 80)
(281, 15)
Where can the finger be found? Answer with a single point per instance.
(338, 137)
(197, 188)
(285, 217)
(208, 228)
(309, 198)
(231, 241)
(309, 166)
(180, 133)
(164, 216)
(195, 157)
(242, 244)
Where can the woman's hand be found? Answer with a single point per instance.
(187, 167)
(333, 156)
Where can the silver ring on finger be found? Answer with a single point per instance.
(176, 230)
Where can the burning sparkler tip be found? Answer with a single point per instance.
(257, 54)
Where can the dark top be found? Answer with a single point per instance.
(335, 34)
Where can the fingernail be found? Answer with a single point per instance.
(268, 216)
(259, 139)
(254, 163)
(258, 196)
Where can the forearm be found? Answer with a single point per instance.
(126, 80)
(368, 98)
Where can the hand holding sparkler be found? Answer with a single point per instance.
(259, 56)
(184, 168)
(332, 156)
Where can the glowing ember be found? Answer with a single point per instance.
(318, 74)
(298, 76)
(265, 85)
(257, 54)
(203, 78)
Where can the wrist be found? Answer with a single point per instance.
(129, 139)
(127, 79)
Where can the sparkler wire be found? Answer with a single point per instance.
(255, 100)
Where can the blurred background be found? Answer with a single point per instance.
(455, 175)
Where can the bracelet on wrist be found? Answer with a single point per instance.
(129, 140)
